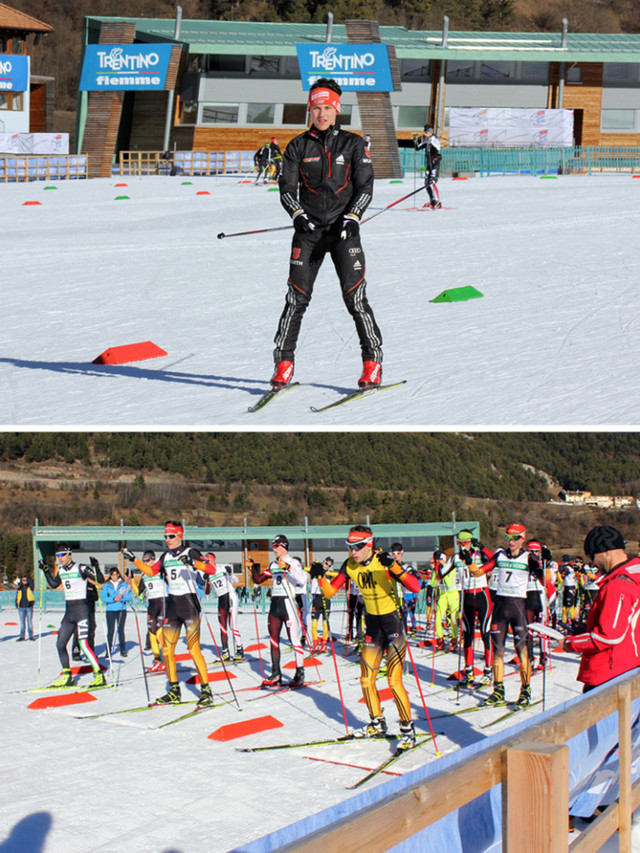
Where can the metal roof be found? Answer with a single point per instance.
(250, 37)
(127, 533)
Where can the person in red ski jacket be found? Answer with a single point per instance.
(610, 645)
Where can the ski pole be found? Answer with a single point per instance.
(106, 639)
(255, 616)
(222, 235)
(144, 672)
(206, 621)
(335, 663)
(294, 606)
(42, 583)
(393, 204)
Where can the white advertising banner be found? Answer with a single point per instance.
(34, 143)
(510, 128)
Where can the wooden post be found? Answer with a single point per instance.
(624, 768)
(535, 798)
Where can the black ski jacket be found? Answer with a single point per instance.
(327, 175)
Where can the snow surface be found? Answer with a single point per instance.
(119, 783)
(550, 343)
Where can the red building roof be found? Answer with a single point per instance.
(11, 19)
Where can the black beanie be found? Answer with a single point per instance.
(603, 538)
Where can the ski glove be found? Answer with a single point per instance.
(467, 557)
(185, 560)
(546, 553)
(42, 566)
(316, 570)
(350, 227)
(302, 224)
(128, 555)
(94, 563)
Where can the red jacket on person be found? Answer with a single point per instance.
(611, 644)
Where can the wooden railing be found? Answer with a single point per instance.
(42, 167)
(533, 769)
(185, 162)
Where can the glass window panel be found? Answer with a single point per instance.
(412, 117)
(220, 114)
(344, 117)
(290, 67)
(574, 74)
(294, 114)
(224, 62)
(260, 113)
(618, 119)
(620, 72)
(264, 66)
(535, 71)
(415, 69)
(459, 70)
(497, 70)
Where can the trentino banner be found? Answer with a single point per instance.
(14, 73)
(118, 67)
(354, 67)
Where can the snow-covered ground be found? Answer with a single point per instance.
(550, 343)
(121, 783)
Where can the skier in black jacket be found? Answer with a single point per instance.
(325, 186)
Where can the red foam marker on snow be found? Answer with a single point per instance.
(213, 676)
(385, 695)
(130, 352)
(256, 647)
(61, 699)
(305, 662)
(122, 185)
(27, 203)
(456, 676)
(460, 179)
(84, 668)
(203, 192)
(245, 727)
(10, 623)
(184, 656)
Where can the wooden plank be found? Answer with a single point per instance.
(536, 798)
(625, 816)
(382, 825)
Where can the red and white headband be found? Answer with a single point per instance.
(324, 97)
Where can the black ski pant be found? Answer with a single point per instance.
(307, 254)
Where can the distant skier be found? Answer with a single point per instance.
(430, 143)
(275, 159)
(325, 187)
(262, 160)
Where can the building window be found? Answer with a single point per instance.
(290, 67)
(457, 70)
(620, 72)
(188, 112)
(225, 63)
(260, 113)
(264, 66)
(220, 114)
(412, 117)
(618, 120)
(534, 72)
(294, 114)
(11, 101)
(415, 70)
(497, 70)
(344, 116)
(574, 74)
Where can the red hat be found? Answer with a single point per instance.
(321, 97)
(516, 530)
(534, 545)
(175, 529)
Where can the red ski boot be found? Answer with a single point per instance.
(371, 374)
(283, 374)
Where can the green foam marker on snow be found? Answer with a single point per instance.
(121, 197)
(458, 294)
(397, 181)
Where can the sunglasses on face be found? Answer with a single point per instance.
(513, 537)
(171, 536)
(62, 554)
(358, 546)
